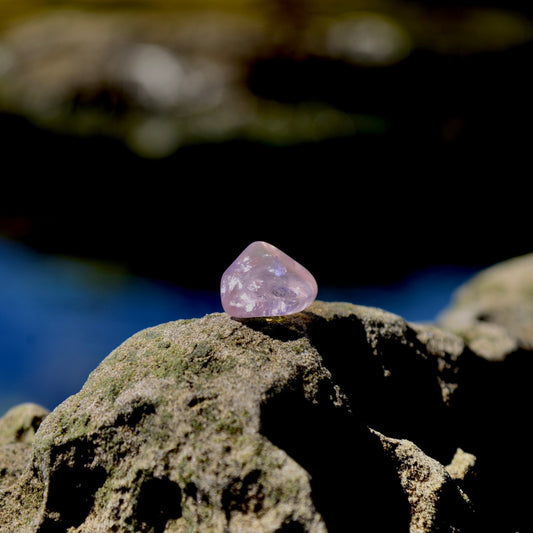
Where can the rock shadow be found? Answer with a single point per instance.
(493, 410)
(243, 495)
(282, 328)
(390, 385)
(351, 480)
(159, 501)
(72, 487)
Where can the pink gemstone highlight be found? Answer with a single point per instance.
(264, 281)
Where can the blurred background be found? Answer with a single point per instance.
(385, 145)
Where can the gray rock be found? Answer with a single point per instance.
(17, 430)
(493, 312)
(20, 423)
(437, 503)
(259, 425)
(462, 466)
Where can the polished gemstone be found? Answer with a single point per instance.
(264, 281)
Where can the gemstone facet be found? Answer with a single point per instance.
(264, 281)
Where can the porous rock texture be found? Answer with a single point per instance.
(340, 418)
(17, 429)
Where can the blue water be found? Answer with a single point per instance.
(59, 317)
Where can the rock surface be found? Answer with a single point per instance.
(256, 425)
(17, 429)
(20, 423)
(335, 419)
(494, 311)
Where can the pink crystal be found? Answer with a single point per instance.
(264, 281)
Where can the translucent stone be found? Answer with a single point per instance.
(264, 281)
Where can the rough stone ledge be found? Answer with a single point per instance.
(338, 417)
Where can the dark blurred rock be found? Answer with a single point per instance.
(155, 81)
(160, 79)
(170, 118)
